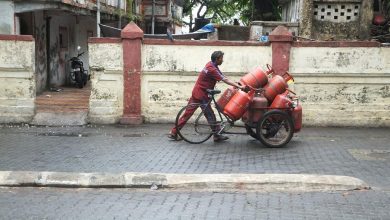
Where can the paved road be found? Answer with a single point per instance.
(57, 203)
(361, 153)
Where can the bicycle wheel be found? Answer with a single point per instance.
(197, 129)
(275, 129)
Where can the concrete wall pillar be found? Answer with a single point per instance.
(281, 40)
(306, 19)
(131, 40)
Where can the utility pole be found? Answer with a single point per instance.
(120, 14)
(98, 18)
(153, 7)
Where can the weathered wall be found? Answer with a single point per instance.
(343, 86)
(170, 71)
(106, 66)
(17, 83)
(335, 19)
(40, 52)
(339, 83)
(233, 33)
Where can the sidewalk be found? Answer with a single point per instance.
(117, 150)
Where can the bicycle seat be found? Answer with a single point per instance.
(212, 91)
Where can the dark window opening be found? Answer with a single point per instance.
(355, 14)
(356, 6)
(322, 17)
(63, 37)
(348, 17)
(342, 14)
(349, 10)
(335, 17)
(329, 6)
(336, 10)
(323, 10)
(315, 13)
(343, 7)
(315, 6)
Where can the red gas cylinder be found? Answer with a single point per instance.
(257, 107)
(282, 101)
(275, 86)
(379, 19)
(256, 78)
(237, 105)
(226, 96)
(297, 117)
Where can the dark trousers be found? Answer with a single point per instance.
(208, 112)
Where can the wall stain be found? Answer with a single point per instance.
(385, 91)
(343, 59)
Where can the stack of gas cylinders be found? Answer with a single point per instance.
(267, 91)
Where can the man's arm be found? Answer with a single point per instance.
(229, 82)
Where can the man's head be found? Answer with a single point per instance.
(217, 57)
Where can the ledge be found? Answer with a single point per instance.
(102, 40)
(336, 44)
(203, 43)
(16, 37)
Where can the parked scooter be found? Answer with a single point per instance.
(78, 74)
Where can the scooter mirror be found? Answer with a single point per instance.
(78, 48)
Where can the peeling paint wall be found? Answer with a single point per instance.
(106, 66)
(169, 73)
(343, 86)
(17, 82)
(40, 51)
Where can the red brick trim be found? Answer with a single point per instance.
(131, 42)
(97, 40)
(202, 43)
(281, 40)
(336, 44)
(16, 37)
(132, 31)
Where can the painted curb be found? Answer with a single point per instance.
(261, 182)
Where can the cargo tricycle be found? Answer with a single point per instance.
(269, 111)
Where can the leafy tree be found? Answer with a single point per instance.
(224, 11)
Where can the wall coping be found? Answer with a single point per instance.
(336, 44)
(203, 43)
(16, 37)
(102, 40)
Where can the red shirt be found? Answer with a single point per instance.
(207, 79)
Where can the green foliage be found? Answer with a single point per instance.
(224, 11)
(129, 12)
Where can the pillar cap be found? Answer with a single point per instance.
(132, 31)
(280, 33)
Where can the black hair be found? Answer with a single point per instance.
(216, 54)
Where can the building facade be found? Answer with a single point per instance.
(58, 27)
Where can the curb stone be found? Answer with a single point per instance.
(259, 182)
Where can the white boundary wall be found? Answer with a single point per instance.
(106, 66)
(17, 82)
(169, 73)
(343, 86)
(338, 86)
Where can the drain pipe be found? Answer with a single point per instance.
(98, 18)
(48, 52)
(153, 7)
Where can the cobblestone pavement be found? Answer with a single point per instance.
(59, 203)
(361, 153)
